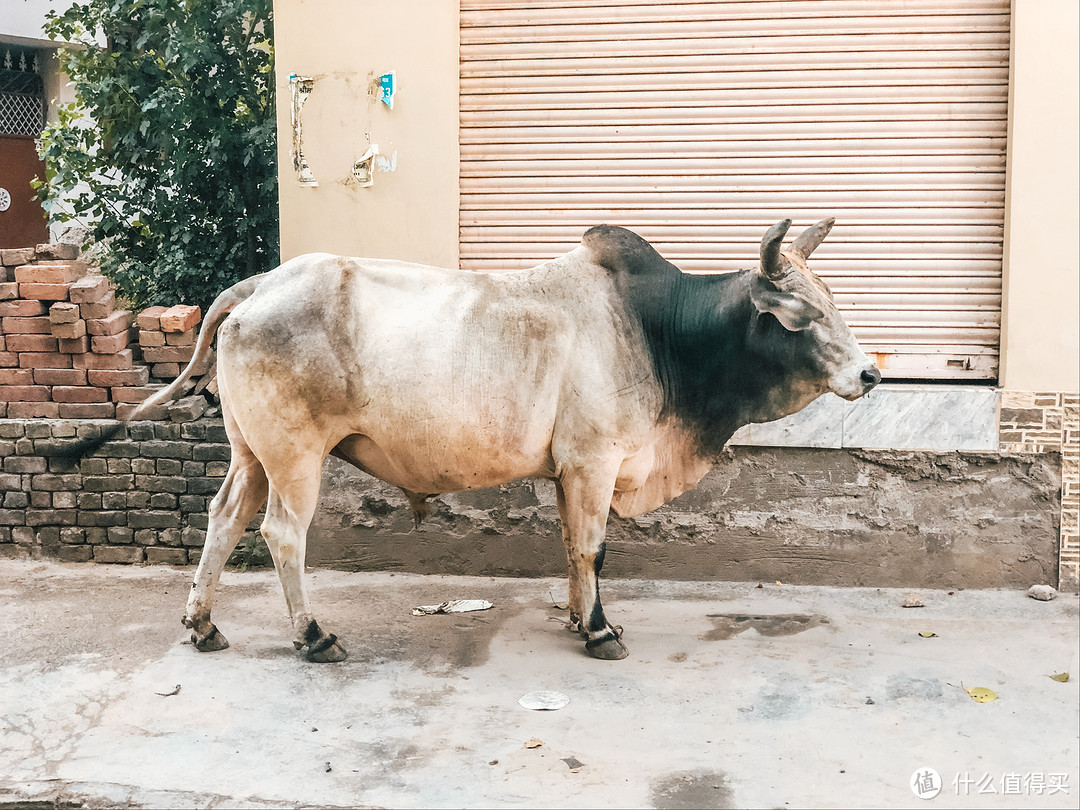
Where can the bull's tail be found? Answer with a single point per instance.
(218, 312)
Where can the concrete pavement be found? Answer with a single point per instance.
(733, 696)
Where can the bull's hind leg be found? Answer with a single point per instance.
(240, 496)
(289, 509)
(575, 624)
(585, 501)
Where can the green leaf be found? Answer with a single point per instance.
(1061, 677)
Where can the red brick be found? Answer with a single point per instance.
(87, 410)
(31, 343)
(47, 273)
(121, 360)
(8, 290)
(24, 393)
(166, 371)
(139, 375)
(90, 289)
(99, 309)
(44, 292)
(151, 339)
(16, 376)
(180, 338)
(77, 345)
(109, 344)
(36, 325)
(59, 376)
(150, 319)
(69, 331)
(44, 360)
(135, 394)
(15, 256)
(57, 250)
(169, 354)
(61, 312)
(79, 393)
(180, 318)
(112, 325)
(22, 309)
(8, 359)
(33, 410)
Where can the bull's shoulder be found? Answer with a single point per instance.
(622, 251)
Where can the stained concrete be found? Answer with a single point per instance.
(733, 695)
(807, 516)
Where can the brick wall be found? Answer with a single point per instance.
(67, 350)
(1041, 422)
(142, 498)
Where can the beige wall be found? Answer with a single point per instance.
(410, 212)
(1040, 343)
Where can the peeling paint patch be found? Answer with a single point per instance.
(300, 87)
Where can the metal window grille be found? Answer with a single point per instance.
(22, 92)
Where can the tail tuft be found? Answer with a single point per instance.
(72, 454)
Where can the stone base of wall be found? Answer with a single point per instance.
(801, 516)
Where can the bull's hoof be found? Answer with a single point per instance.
(607, 648)
(211, 642)
(326, 651)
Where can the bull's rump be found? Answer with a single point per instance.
(434, 380)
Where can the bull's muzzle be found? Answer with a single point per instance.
(869, 378)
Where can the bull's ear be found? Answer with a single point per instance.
(812, 237)
(793, 311)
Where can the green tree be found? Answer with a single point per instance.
(169, 155)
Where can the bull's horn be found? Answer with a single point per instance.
(812, 237)
(771, 263)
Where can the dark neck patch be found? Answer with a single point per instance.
(719, 362)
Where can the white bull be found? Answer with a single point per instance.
(606, 370)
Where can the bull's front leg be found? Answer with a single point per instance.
(584, 501)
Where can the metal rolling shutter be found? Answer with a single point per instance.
(699, 124)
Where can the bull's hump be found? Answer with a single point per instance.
(623, 251)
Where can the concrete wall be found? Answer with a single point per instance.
(411, 210)
(1040, 339)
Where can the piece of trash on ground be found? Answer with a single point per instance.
(1061, 677)
(175, 691)
(558, 605)
(453, 606)
(927, 634)
(327, 768)
(980, 694)
(1044, 593)
(573, 763)
(544, 701)
(534, 743)
(912, 600)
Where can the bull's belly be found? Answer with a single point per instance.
(446, 463)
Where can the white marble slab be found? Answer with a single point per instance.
(893, 417)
